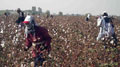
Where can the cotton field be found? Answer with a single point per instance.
(73, 43)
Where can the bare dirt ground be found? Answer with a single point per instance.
(73, 43)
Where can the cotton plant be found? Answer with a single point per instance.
(15, 40)
(2, 43)
(1, 30)
(2, 22)
(9, 25)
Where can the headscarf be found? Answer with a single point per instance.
(29, 25)
(105, 13)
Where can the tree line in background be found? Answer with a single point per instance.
(34, 11)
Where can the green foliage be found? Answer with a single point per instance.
(47, 13)
(112, 64)
(2, 12)
(60, 13)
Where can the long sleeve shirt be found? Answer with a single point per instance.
(41, 35)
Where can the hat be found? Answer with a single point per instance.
(26, 22)
(105, 13)
(28, 19)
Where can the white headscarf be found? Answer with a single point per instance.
(29, 28)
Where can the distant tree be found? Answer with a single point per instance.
(39, 10)
(7, 12)
(28, 12)
(47, 13)
(60, 13)
(72, 15)
(34, 10)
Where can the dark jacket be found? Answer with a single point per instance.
(21, 17)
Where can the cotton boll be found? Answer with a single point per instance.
(3, 44)
(1, 30)
(2, 22)
(112, 42)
